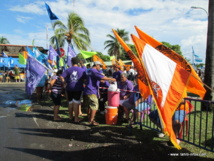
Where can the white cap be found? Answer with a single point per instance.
(97, 63)
(55, 70)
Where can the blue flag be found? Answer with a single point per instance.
(70, 55)
(4, 54)
(52, 16)
(34, 72)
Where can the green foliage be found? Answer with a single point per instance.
(4, 40)
(113, 46)
(74, 33)
(176, 48)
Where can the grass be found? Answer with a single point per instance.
(200, 131)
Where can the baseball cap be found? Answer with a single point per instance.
(97, 63)
(55, 70)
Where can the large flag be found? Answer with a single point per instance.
(71, 53)
(52, 55)
(4, 54)
(168, 81)
(30, 52)
(22, 60)
(34, 72)
(52, 16)
(195, 84)
(87, 54)
(142, 81)
(97, 58)
(198, 59)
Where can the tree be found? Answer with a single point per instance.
(75, 33)
(4, 40)
(176, 48)
(209, 63)
(113, 46)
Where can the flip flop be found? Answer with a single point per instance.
(94, 123)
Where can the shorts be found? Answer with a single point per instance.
(142, 106)
(179, 116)
(74, 96)
(90, 101)
(127, 105)
(56, 98)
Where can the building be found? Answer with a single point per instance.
(14, 50)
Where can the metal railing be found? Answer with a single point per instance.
(198, 126)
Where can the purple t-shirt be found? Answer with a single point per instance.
(116, 75)
(127, 85)
(74, 77)
(134, 95)
(92, 84)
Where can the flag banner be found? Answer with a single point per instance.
(25, 54)
(61, 62)
(142, 81)
(52, 16)
(22, 60)
(4, 54)
(52, 54)
(34, 72)
(87, 54)
(97, 58)
(30, 52)
(198, 58)
(195, 84)
(71, 53)
(36, 52)
(168, 81)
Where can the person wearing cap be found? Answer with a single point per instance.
(73, 79)
(117, 73)
(91, 94)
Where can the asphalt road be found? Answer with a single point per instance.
(23, 134)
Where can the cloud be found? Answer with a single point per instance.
(23, 19)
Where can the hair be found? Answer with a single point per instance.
(75, 60)
(59, 72)
(124, 74)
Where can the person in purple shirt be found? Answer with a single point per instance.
(74, 78)
(125, 87)
(117, 73)
(91, 94)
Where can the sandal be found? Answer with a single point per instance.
(94, 123)
(79, 120)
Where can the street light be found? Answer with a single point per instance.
(193, 7)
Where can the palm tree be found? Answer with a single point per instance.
(209, 70)
(114, 47)
(75, 33)
(4, 40)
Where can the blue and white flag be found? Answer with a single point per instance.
(52, 54)
(34, 72)
(198, 58)
(4, 54)
(70, 55)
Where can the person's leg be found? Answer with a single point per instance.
(56, 112)
(93, 109)
(70, 110)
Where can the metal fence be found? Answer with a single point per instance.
(198, 126)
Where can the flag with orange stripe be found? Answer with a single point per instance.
(97, 58)
(142, 82)
(195, 84)
(168, 82)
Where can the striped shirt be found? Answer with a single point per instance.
(57, 87)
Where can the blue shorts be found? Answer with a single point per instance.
(142, 106)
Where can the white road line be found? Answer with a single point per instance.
(34, 119)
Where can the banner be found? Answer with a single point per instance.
(87, 54)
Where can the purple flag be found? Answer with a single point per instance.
(70, 55)
(52, 54)
(34, 72)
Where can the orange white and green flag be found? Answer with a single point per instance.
(195, 84)
(97, 58)
(168, 81)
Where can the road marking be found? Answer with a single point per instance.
(34, 119)
(2, 116)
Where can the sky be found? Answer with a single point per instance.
(173, 21)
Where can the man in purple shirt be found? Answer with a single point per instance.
(91, 94)
(74, 77)
(117, 73)
(125, 87)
